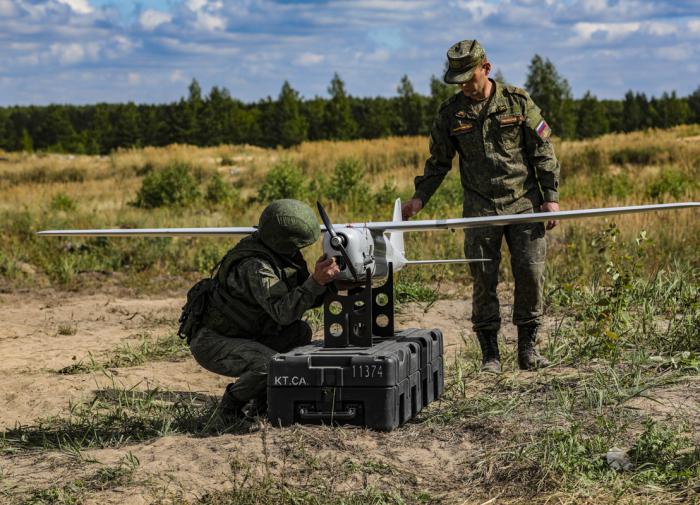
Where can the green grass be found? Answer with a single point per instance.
(168, 348)
(117, 416)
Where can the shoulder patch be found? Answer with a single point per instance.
(543, 130)
(514, 90)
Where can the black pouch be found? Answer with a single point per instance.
(198, 298)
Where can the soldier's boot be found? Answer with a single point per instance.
(490, 357)
(259, 407)
(231, 408)
(528, 356)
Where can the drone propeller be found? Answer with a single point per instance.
(336, 240)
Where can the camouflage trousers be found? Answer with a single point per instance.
(528, 249)
(245, 358)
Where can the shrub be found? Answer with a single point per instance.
(347, 181)
(62, 202)
(642, 155)
(172, 186)
(673, 183)
(285, 180)
(219, 192)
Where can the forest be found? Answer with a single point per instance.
(217, 118)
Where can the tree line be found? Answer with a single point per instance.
(218, 118)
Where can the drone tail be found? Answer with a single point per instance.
(396, 237)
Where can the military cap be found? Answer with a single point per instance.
(288, 225)
(463, 58)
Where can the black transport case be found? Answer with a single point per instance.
(379, 387)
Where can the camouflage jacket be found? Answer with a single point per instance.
(263, 291)
(506, 161)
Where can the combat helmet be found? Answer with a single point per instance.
(288, 225)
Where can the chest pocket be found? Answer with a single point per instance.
(466, 134)
(508, 130)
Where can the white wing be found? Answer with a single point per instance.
(388, 226)
(475, 222)
(152, 232)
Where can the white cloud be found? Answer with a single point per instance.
(209, 22)
(378, 56)
(479, 9)
(610, 32)
(675, 53)
(134, 78)
(68, 53)
(661, 29)
(308, 59)
(79, 6)
(385, 5)
(7, 8)
(177, 76)
(151, 19)
(196, 5)
(694, 26)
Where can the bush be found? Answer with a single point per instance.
(62, 202)
(219, 192)
(590, 160)
(642, 155)
(347, 181)
(673, 183)
(285, 180)
(172, 186)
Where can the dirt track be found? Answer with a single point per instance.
(47, 332)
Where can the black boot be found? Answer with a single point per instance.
(259, 407)
(490, 357)
(528, 357)
(231, 407)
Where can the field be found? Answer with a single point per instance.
(101, 402)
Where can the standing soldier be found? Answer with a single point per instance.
(254, 303)
(507, 166)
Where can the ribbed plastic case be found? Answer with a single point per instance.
(380, 387)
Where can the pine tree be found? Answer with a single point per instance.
(591, 121)
(694, 105)
(410, 110)
(338, 120)
(552, 93)
(672, 111)
(126, 131)
(289, 126)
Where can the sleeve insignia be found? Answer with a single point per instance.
(543, 130)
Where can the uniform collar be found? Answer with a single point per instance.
(496, 103)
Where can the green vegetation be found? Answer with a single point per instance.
(168, 348)
(219, 118)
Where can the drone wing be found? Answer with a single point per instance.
(383, 226)
(152, 232)
(475, 222)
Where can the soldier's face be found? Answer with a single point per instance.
(476, 86)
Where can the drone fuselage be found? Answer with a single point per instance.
(366, 250)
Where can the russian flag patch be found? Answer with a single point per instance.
(543, 130)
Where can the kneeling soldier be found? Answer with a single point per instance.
(258, 296)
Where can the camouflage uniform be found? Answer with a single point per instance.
(506, 167)
(266, 288)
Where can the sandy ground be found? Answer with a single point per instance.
(33, 346)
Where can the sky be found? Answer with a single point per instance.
(148, 51)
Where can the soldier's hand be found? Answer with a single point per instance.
(411, 208)
(550, 207)
(326, 270)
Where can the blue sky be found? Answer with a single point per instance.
(147, 51)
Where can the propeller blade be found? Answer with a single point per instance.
(336, 241)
